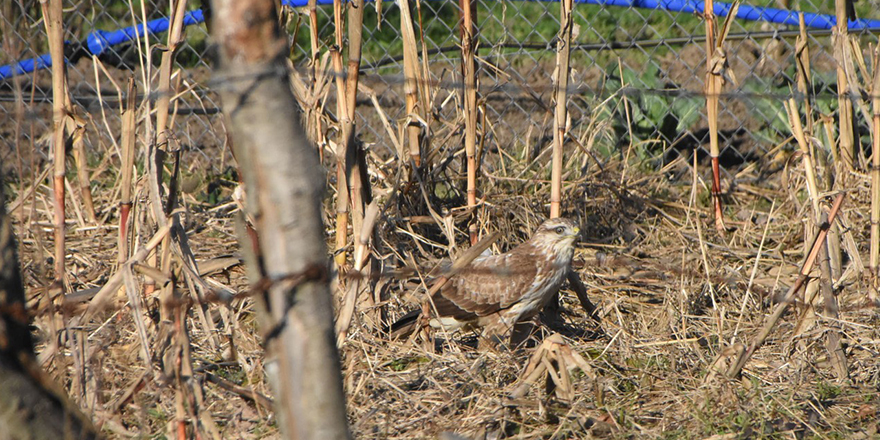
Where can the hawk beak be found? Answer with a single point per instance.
(577, 231)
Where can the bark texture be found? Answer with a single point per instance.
(284, 187)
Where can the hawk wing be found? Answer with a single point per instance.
(487, 285)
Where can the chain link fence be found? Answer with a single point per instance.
(637, 76)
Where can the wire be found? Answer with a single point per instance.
(92, 104)
(620, 45)
(99, 41)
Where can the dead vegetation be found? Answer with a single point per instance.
(156, 334)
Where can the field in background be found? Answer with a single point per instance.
(674, 297)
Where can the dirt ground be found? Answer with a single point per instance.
(675, 299)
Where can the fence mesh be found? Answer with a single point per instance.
(637, 76)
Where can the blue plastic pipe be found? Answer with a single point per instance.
(26, 66)
(99, 41)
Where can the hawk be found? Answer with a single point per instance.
(498, 291)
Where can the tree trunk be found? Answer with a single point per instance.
(284, 187)
(31, 406)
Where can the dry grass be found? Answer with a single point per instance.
(675, 299)
(666, 318)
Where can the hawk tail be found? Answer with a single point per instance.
(404, 326)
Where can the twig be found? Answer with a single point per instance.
(361, 255)
(574, 280)
(413, 79)
(563, 55)
(716, 68)
(342, 194)
(840, 41)
(174, 38)
(52, 19)
(246, 393)
(469, 43)
(874, 291)
(97, 303)
(78, 126)
(128, 142)
(818, 243)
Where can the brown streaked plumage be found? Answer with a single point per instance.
(501, 290)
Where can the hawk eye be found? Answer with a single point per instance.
(560, 230)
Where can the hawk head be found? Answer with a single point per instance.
(556, 235)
